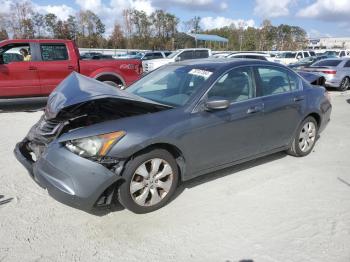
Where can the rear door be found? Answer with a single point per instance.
(18, 78)
(56, 64)
(283, 99)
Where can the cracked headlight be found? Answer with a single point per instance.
(94, 146)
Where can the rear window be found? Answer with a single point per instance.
(201, 53)
(53, 52)
(328, 63)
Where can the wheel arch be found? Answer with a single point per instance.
(172, 149)
(110, 76)
(316, 116)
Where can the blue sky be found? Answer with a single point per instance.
(317, 17)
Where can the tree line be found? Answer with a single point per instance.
(137, 30)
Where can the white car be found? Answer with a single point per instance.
(287, 58)
(252, 55)
(179, 55)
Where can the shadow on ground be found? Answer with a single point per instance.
(5, 201)
(116, 206)
(22, 104)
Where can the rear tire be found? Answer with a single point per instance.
(305, 138)
(151, 179)
(345, 84)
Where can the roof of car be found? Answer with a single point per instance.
(222, 62)
(250, 53)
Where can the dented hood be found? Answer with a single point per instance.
(77, 89)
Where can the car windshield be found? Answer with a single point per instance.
(334, 62)
(171, 85)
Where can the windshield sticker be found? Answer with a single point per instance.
(200, 72)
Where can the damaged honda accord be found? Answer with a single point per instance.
(95, 144)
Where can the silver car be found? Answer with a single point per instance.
(336, 71)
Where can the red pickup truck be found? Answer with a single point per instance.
(35, 67)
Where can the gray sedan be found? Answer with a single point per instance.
(95, 143)
(336, 71)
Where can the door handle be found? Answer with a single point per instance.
(71, 67)
(299, 98)
(32, 68)
(255, 109)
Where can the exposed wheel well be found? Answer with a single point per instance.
(111, 78)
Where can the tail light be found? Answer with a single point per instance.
(329, 72)
(139, 69)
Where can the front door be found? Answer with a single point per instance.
(18, 77)
(223, 136)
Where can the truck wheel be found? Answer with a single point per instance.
(111, 83)
(111, 80)
(150, 181)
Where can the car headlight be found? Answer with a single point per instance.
(94, 146)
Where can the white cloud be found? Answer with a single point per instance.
(195, 5)
(272, 8)
(209, 22)
(61, 11)
(328, 10)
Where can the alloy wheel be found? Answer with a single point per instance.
(307, 136)
(151, 182)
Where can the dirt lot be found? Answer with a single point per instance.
(278, 208)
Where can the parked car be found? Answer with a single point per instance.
(336, 53)
(221, 54)
(287, 58)
(336, 71)
(308, 61)
(95, 56)
(50, 62)
(179, 122)
(252, 55)
(130, 55)
(155, 55)
(179, 55)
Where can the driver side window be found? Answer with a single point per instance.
(16, 53)
(236, 85)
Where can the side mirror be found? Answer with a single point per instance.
(213, 104)
(299, 57)
(177, 59)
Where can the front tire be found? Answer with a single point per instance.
(150, 181)
(305, 138)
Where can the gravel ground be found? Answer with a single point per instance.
(278, 208)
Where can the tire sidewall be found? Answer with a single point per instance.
(298, 151)
(124, 194)
(341, 87)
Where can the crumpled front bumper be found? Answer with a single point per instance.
(68, 178)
